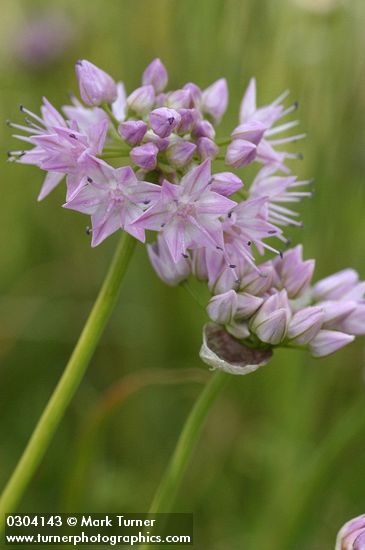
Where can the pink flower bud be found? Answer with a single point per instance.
(215, 99)
(180, 99)
(133, 131)
(354, 323)
(240, 153)
(352, 535)
(141, 100)
(328, 341)
(225, 183)
(180, 152)
(247, 305)
(270, 324)
(305, 325)
(252, 131)
(195, 94)
(203, 128)
(189, 117)
(222, 308)
(171, 272)
(258, 282)
(335, 312)
(164, 121)
(95, 85)
(295, 275)
(145, 156)
(335, 286)
(155, 75)
(207, 149)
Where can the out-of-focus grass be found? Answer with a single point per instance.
(280, 465)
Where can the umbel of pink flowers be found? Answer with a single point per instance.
(143, 162)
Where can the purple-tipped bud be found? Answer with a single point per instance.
(295, 275)
(256, 282)
(354, 323)
(155, 75)
(145, 156)
(215, 99)
(270, 324)
(172, 273)
(207, 149)
(133, 131)
(352, 535)
(195, 93)
(141, 100)
(336, 285)
(164, 121)
(247, 305)
(252, 131)
(95, 85)
(329, 341)
(180, 152)
(305, 325)
(240, 153)
(225, 183)
(222, 308)
(335, 312)
(272, 330)
(203, 128)
(189, 117)
(180, 99)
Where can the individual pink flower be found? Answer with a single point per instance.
(171, 272)
(188, 214)
(114, 198)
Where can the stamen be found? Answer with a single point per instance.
(88, 230)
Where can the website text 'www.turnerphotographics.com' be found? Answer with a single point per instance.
(99, 529)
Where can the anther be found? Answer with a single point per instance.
(296, 105)
(272, 232)
(281, 254)
(170, 120)
(185, 255)
(163, 225)
(249, 243)
(21, 107)
(219, 248)
(89, 179)
(146, 202)
(232, 266)
(72, 136)
(88, 230)
(229, 214)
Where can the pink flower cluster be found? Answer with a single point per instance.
(143, 162)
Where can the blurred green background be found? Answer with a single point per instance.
(281, 463)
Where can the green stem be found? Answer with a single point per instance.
(69, 381)
(224, 141)
(173, 476)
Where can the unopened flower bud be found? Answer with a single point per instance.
(172, 273)
(305, 325)
(215, 99)
(133, 131)
(95, 85)
(180, 152)
(222, 307)
(189, 117)
(240, 153)
(354, 323)
(270, 324)
(195, 93)
(155, 75)
(352, 535)
(207, 149)
(141, 100)
(225, 183)
(335, 311)
(258, 282)
(335, 286)
(203, 128)
(180, 99)
(164, 121)
(295, 275)
(328, 341)
(247, 305)
(145, 156)
(252, 131)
